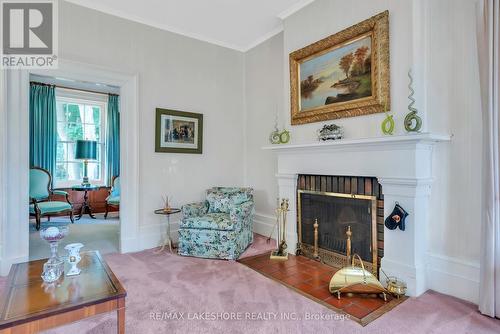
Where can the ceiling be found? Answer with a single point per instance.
(236, 24)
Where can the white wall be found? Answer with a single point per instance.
(436, 39)
(264, 98)
(453, 105)
(174, 72)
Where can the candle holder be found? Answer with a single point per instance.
(74, 258)
(54, 267)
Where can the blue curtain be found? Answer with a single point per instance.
(43, 127)
(113, 138)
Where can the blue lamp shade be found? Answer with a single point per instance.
(86, 150)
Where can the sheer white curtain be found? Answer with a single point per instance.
(488, 37)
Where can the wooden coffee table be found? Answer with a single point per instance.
(29, 305)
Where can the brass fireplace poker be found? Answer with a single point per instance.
(281, 253)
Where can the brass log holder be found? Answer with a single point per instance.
(355, 279)
(281, 253)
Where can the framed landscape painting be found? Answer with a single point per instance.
(178, 131)
(343, 75)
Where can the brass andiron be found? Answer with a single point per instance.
(348, 245)
(281, 253)
(316, 247)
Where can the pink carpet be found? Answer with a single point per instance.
(169, 284)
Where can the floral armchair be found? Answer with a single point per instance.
(220, 227)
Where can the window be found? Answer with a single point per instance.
(80, 115)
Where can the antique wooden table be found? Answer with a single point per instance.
(86, 208)
(29, 305)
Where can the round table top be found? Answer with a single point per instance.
(80, 187)
(163, 212)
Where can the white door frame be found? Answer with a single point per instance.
(14, 155)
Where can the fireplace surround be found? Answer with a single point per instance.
(402, 165)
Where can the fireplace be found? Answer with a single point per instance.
(337, 203)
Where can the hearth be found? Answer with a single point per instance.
(337, 203)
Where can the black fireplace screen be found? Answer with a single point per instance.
(335, 212)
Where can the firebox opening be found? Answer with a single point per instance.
(335, 212)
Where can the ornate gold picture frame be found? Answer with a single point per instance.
(344, 75)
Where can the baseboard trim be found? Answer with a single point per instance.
(453, 277)
(263, 224)
(153, 235)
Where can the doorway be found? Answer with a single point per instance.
(15, 159)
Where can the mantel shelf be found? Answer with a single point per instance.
(420, 138)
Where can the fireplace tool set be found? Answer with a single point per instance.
(281, 212)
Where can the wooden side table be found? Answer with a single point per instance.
(86, 208)
(30, 306)
(168, 239)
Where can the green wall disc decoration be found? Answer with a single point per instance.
(413, 123)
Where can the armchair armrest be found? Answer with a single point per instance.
(60, 192)
(241, 211)
(194, 209)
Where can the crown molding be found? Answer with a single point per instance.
(293, 9)
(95, 5)
(263, 38)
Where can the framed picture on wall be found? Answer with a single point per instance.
(178, 131)
(343, 75)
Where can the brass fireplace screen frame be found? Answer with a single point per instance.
(333, 258)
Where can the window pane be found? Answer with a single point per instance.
(92, 122)
(71, 149)
(94, 171)
(74, 113)
(97, 115)
(61, 172)
(79, 119)
(75, 170)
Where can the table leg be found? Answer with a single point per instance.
(85, 207)
(120, 316)
(168, 240)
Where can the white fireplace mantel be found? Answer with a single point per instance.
(402, 165)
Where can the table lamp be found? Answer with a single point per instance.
(86, 150)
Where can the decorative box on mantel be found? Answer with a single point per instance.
(403, 167)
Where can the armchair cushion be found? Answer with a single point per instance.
(51, 207)
(210, 221)
(222, 199)
(39, 184)
(194, 209)
(242, 211)
(115, 189)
